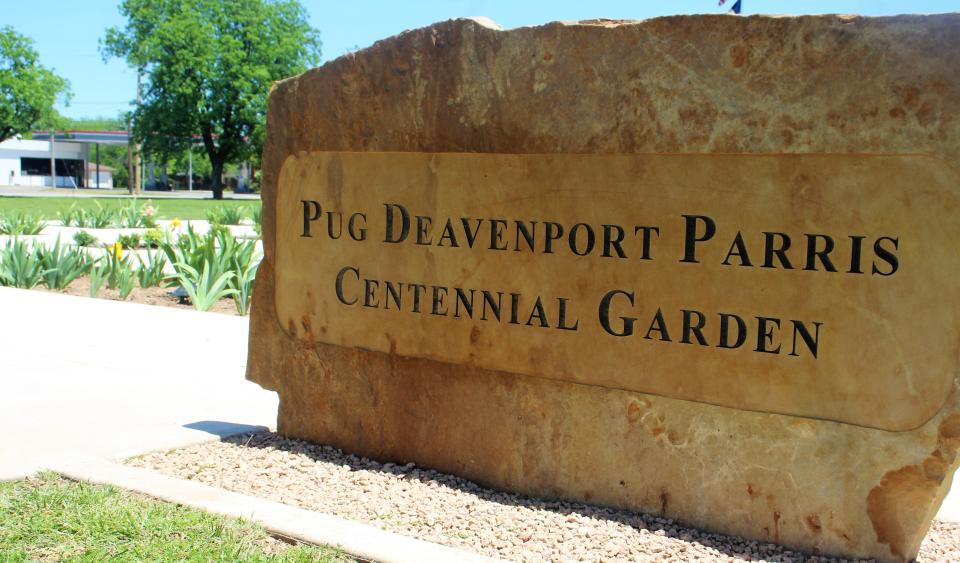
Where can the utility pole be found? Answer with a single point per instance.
(53, 159)
(190, 169)
(130, 170)
(85, 173)
(138, 161)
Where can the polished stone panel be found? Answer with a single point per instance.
(810, 285)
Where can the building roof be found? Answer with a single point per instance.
(102, 137)
(82, 136)
(25, 145)
(20, 148)
(92, 167)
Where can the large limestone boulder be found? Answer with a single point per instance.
(842, 441)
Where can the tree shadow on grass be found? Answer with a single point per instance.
(731, 546)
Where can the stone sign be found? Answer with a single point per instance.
(800, 272)
(719, 284)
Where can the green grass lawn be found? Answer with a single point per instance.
(167, 207)
(54, 519)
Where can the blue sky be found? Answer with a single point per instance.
(66, 32)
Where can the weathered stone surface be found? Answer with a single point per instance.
(625, 271)
(866, 482)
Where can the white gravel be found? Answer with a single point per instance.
(450, 510)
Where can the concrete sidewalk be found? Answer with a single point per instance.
(85, 381)
(91, 378)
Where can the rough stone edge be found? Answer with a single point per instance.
(291, 86)
(489, 23)
(359, 540)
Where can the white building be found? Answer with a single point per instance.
(27, 163)
(102, 178)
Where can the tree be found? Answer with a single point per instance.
(27, 89)
(208, 66)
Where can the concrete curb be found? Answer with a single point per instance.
(359, 540)
(14, 467)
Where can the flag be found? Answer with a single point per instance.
(735, 9)
(722, 2)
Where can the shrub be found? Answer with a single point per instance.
(203, 288)
(226, 214)
(242, 282)
(98, 274)
(153, 238)
(125, 281)
(21, 224)
(149, 212)
(135, 215)
(21, 265)
(128, 216)
(62, 265)
(83, 238)
(215, 216)
(258, 219)
(68, 218)
(189, 248)
(243, 260)
(215, 255)
(99, 217)
(217, 247)
(118, 273)
(150, 273)
(217, 230)
(130, 241)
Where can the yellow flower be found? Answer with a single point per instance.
(175, 224)
(118, 250)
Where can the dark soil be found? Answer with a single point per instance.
(150, 296)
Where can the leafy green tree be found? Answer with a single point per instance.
(27, 89)
(208, 66)
(98, 124)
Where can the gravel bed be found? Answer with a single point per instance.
(450, 510)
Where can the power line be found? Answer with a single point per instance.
(97, 55)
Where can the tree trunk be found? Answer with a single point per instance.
(136, 182)
(217, 177)
(130, 167)
(137, 169)
(217, 156)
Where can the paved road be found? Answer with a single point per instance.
(84, 378)
(36, 191)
